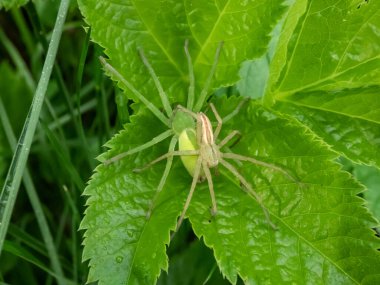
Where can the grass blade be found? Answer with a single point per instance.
(13, 179)
(36, 204)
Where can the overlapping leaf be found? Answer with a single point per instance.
(327, 45)
(370, 177)
(323, 235)
(353, 137)
(160, 28)
(323, 228)
(327, 65)
(122, 245)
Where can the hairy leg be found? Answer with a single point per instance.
(203, 94)
(168, 166)
(218, 119)
(228, 138)
(191, 192)
(185, 110)
(258, 162)
(207, 173)
(166, 155)
(236, 111)
(161, 92)
(190, 96)
(249, 190)
(111, 70)
(154, 141)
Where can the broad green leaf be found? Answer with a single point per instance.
(160, 28)
(326, 70)
(323, 235)
(360, 103)
(254, 74)
(353, 137)
(327, 45)
(370, 177)
(122, 245)
(253, 78)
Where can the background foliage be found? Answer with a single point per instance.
(319, 80)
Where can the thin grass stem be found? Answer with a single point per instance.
(14, 176)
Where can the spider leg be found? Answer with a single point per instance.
(249, 190)
(168, 166)
(111, 70)
(236, 111)
(218, 119)
(166, 155)
(207, 173)
(190, 195)
(259, 162)
(185, 110)
(190, 98)
(228, 138)
(161, 92)
(154, 141)
(202, 96)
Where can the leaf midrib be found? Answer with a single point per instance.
(297, 103)
(221, 14)
(169, 57)
(352, 39)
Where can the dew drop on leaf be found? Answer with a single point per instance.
(130, 234)
(119, 259)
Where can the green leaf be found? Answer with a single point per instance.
(316, 222)
(323, 234)
(323, 228)
(118, 238)
(370, 177)
(327, 46)
(326, 71)
(160, 28)
(350, 136)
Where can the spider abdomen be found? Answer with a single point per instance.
(187, 141)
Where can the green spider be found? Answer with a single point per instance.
(197, 142)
